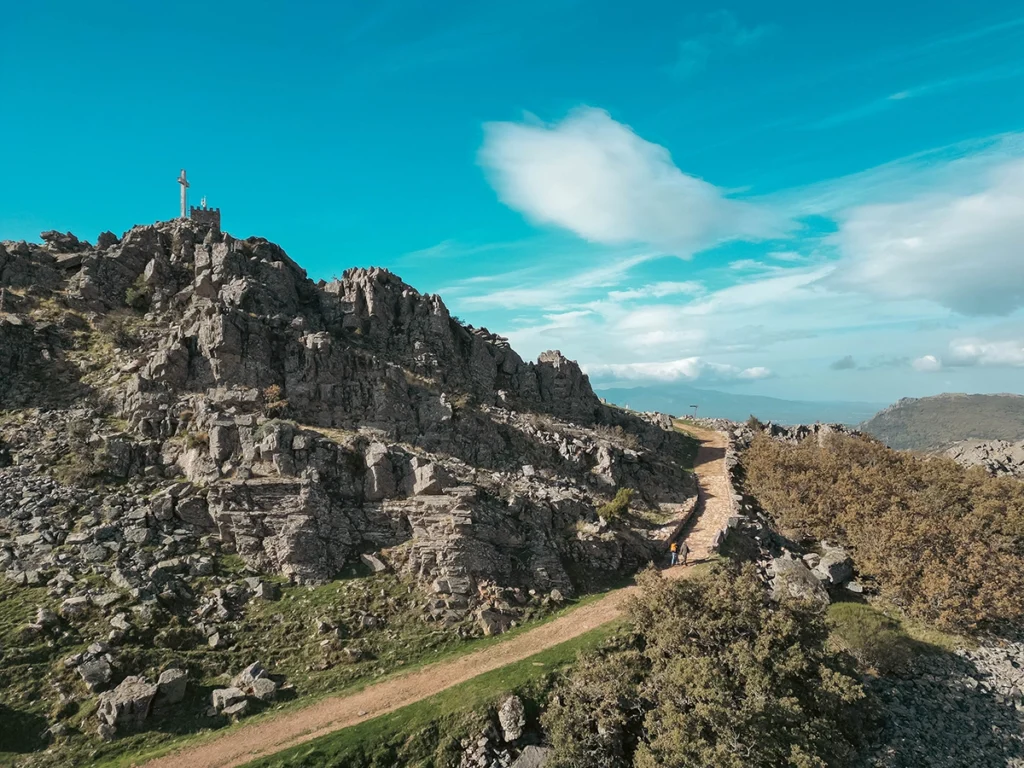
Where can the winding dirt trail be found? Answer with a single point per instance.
(240, 745)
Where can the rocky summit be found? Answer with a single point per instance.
(177, 392)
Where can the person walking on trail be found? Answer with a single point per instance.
(674, 550)
(684, 551)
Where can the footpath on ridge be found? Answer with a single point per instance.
(241, 745)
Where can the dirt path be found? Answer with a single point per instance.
(241, 745)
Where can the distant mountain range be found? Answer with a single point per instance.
(933, 423)
(676, 399)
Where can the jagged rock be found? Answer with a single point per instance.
(512, 717)
(222, 698)
(493, 622)
(266, 590)
(172, 685)
(239, 709)
(244, 409)
(74, 606)
(128, 705)
(264, 689)
(374, 563)
(96, 673)
(244, 679)
(834, 567)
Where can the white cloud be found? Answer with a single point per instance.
(963, 251)
(966, 352)
(599, 179)
(927, 363)
(658, 290)
(686, 369)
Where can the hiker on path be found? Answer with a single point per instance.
(684, 551)
(674, 549)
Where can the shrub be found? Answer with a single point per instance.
(943, 543)
(876, 640)
(717, 675)
(121, 332)
(138, 294)
(273, 403)
(618, 506)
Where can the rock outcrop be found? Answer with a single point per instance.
(178, 394)
(998, 457)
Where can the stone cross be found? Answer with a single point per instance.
(184, 193)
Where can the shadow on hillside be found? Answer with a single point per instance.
(21, 731)
(939, 715)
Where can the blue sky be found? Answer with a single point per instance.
(792, 199)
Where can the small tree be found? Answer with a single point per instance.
(618, 506)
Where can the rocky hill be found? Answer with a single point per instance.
(932, 423)
(176, 399)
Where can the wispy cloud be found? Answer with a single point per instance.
(545, 292)
(594, 176)
(723, 35)
(686, 369)
(658, 290)
(897, 98)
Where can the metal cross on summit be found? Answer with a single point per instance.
(184, 193)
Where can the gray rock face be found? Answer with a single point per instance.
(128, 705)
(311, 422)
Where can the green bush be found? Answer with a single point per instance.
(618, 506)
(138, 294)
(716, 675)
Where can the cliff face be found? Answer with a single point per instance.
(215, 393)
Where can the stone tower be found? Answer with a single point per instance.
(204, 215)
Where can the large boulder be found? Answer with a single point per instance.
(835, 567)
(128, 705)
(171, 685)
(223, 698)
(792, 579)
